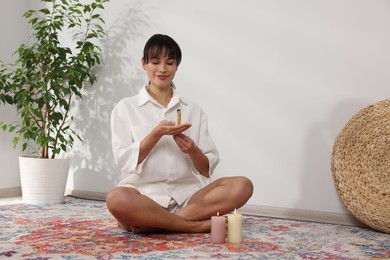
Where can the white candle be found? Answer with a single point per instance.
(235, 228)
(218, 229)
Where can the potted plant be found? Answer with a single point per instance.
(42, 84)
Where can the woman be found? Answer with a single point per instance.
(164, 163)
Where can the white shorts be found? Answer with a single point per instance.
(173, 206)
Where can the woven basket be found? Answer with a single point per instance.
(361, 165)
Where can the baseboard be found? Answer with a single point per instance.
(11, 192)
(93, 195)
(257, 210)
(300, 214)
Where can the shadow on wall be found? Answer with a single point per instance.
(316, 169)
(93, 165)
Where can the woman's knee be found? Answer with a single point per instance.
(246, 185)
(116, 198)
(240, 184)
(111, 198)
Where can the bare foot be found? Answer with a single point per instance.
(149, 230)
(120, 225)
(199, 227)
(126, 227)
(142, 230)
(203, 226)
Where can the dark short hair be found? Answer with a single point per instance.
(160, 44)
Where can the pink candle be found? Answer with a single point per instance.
(218, 229)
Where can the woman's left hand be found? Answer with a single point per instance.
(185, 143)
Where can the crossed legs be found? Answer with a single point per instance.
(136, 212)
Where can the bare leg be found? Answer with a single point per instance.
(137, 212)
(223, 196)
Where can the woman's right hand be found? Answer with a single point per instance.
(170, 128)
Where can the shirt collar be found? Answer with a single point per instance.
(144, 97)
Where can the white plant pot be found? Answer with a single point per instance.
(43, 180)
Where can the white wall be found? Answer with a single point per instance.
(278, 79)
(11, 38)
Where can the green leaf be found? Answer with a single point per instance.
(45, 11)
(33, 20)
(87, 8)
(29, 13)
(15, 141)
(12, 128)
(4, 126)
(9, 99)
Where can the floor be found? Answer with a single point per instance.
(52, 229)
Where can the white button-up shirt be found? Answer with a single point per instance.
(166, 172)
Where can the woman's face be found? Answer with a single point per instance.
(161, 70)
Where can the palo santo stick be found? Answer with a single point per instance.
(178, 116)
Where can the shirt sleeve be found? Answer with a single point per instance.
(125, 150)
(207, 145)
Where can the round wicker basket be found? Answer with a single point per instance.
(361, 165)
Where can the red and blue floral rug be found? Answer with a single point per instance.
(84, 229)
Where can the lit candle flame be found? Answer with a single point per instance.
(235, 211)
(217, 214)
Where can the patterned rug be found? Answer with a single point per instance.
(84, 229)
